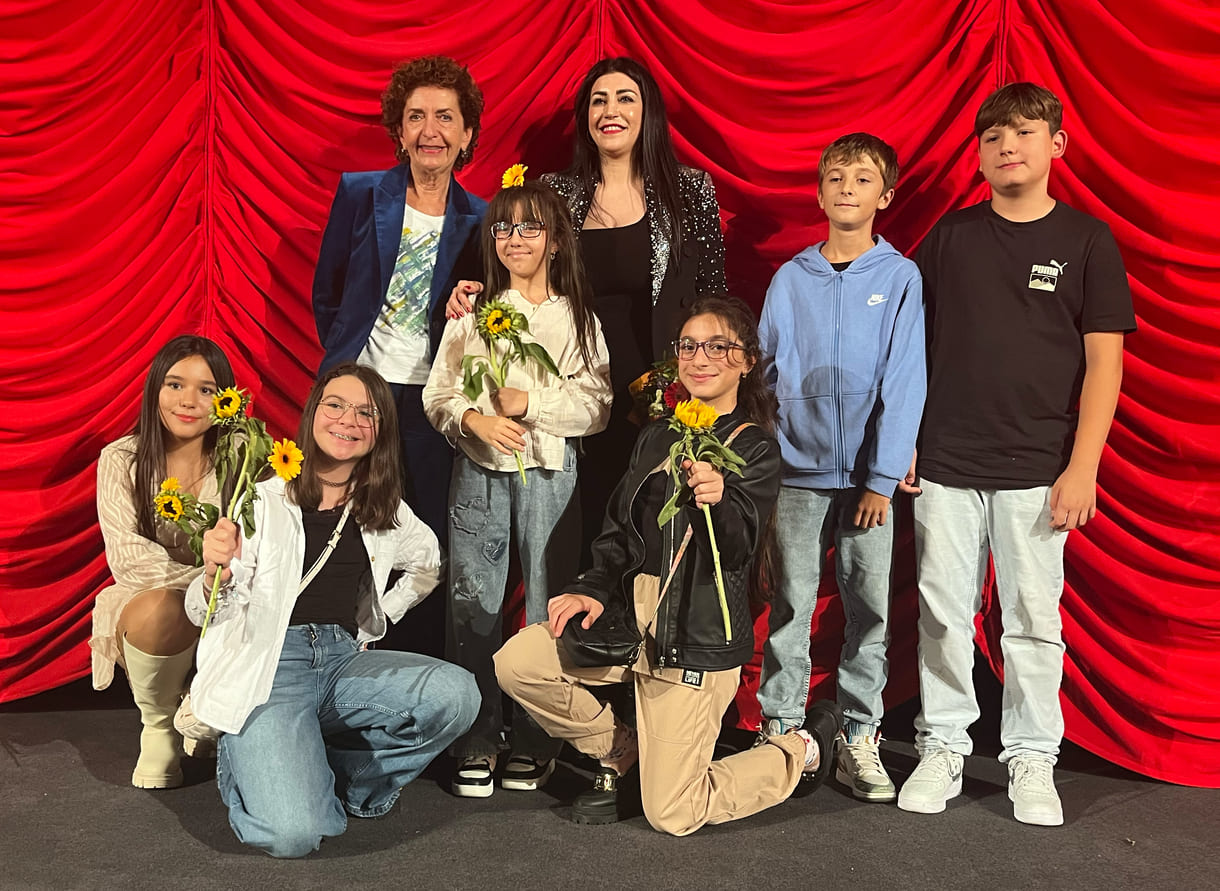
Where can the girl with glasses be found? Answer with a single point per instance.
(533, 265)
(687, 672)
(316, 726)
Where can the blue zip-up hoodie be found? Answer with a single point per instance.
(844, 353)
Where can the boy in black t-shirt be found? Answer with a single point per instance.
(1028, 303)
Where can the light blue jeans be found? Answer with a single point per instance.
(807, 522)
(342, 732)
(485, 508)
(955, 530)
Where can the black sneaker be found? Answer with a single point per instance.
(822, 722)
(524, 774)
(473, 777)
(611, 799)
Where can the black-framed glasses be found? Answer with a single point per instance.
(502, 229)
(686, 347)
(334, 408)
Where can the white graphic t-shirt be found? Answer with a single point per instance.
(398, 344)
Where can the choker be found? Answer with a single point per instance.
(342, 485)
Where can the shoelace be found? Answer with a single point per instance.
(866, 755)
(939, 764)
(1033, 776)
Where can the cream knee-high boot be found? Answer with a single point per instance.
(156, 686)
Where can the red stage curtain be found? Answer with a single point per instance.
(167, 167)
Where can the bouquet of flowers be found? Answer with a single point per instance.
(244, 452)
(501, 327)
(656, 392)
(694, 420)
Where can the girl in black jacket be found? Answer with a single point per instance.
(687, 672)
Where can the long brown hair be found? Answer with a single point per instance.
(149, 431)
(758, 404)
(565, 272)
(377, 479)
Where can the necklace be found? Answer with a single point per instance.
(342, 485)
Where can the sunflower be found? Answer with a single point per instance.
(497, 319)
(695, 415)
(513, 176)
(286, 459)
(170, 484)
(227, 403)
(169, 507)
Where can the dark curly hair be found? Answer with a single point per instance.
(432, 71)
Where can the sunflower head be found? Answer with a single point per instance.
(170, 484)
(227, 403)
(513, 176)
(695, 416)
(169, 506)
(285, 459)
(497, 319)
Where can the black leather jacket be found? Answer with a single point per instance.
(689, 628)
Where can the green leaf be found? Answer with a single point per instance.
(472, 376)
(538, 353)
(247, 515)
(677, 452)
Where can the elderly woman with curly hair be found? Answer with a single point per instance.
(396, 243)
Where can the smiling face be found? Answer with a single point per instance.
(1015, 158)
(433, 132)
(616, 114)
(524, 258)
(852, 191)
(185, 399)
(346, 439)
(713, 381)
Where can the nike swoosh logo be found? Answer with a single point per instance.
(876, 299)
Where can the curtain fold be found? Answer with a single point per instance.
(167, 167)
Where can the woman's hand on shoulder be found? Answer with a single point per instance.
(220, 545)
(706, 481)
(461, 299)
(567, 606)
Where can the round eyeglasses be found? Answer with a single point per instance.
(685, 348)
(335, 409)
(501, 230)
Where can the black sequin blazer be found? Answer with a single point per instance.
(701, 269)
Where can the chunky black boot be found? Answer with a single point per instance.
(600, 804)
(823, 722)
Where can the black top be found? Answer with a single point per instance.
(333, 595)
(1008, 305)
(617, 265)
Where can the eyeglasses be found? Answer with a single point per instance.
(501, 230)
(335, 409)
(685, 348)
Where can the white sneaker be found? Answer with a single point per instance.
(1031, 786)
(936, 779)
(525, 774)
(860, 769)
(473, 777)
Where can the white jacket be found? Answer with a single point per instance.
(238, 656)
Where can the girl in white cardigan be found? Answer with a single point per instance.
(316, 725)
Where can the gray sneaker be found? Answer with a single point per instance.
(775, 727)
(860, 769)
(936, 779)
(1031, 786)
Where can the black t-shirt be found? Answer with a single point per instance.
(1008, 306)
(332, 598)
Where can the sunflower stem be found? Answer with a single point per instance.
(239, 494)
(724, 603)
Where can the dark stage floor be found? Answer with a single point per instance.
(70, 819)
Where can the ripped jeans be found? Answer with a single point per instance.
(485, 508)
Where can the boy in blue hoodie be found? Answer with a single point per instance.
(842, 337)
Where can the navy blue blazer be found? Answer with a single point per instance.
(360, 246)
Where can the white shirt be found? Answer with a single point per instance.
(577, 403)
(238, 656)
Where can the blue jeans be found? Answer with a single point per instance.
(486, 506)
(807, 522)
(955, 531)
(342, 732)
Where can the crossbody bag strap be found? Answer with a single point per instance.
(331, 544)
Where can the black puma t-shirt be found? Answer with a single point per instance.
(1008, 307)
